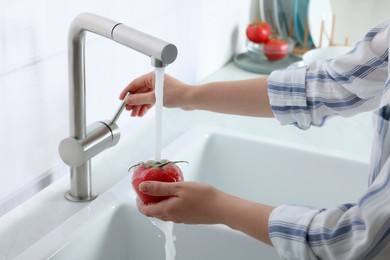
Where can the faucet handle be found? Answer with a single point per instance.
(100, 136)
(119, 110)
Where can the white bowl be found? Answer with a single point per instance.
(256, 50)
(324, 53)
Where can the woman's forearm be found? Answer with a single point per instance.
(241, 97)
(246, 216)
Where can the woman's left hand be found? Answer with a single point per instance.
(199, 203)
(190, 202)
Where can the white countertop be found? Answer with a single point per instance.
(35, 218)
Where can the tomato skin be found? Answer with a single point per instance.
(275, 49)
(258, 31)
(164, 171)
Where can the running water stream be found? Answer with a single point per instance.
(159, 93)
(165, 226)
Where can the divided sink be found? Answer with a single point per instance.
(260, 169)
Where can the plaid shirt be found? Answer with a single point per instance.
(353, 83)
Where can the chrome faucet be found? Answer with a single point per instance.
(84, 142)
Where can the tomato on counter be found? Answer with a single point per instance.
(258, 31)
(275, 49)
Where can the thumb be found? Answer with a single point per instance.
(147, 98)
(156, 188)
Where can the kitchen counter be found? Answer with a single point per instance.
(35, 218)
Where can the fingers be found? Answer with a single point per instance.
(155, 210)
(155, 188)
(187, 202)
(142, 96)
(124, 92)
(142, 84)
(139, 99)
(143, 110)
(162, 209)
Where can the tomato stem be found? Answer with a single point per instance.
(156, 164)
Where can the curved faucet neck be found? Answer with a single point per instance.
(161, 53)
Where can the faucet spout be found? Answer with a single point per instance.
(83, 141)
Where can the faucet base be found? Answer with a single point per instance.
(72, 198)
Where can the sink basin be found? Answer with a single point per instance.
(123, 233)
(272, 171)
(259, 169)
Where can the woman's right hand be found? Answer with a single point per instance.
(142, 96)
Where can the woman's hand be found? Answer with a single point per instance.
(199, 203)
(190, 202)
(142, 96)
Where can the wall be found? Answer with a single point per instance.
(355, 17)
(33, 72)
(223, 33)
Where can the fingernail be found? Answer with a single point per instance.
(129, 96)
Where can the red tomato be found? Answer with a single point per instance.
(164, 170)
(258, 31)
(275, 49)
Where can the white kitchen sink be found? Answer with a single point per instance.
(270, 170)
(259, 169)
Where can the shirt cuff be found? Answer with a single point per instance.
(288, 98)
(288, 231)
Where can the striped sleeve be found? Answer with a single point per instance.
(344, 86)
(307, 96)
(358, 230)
